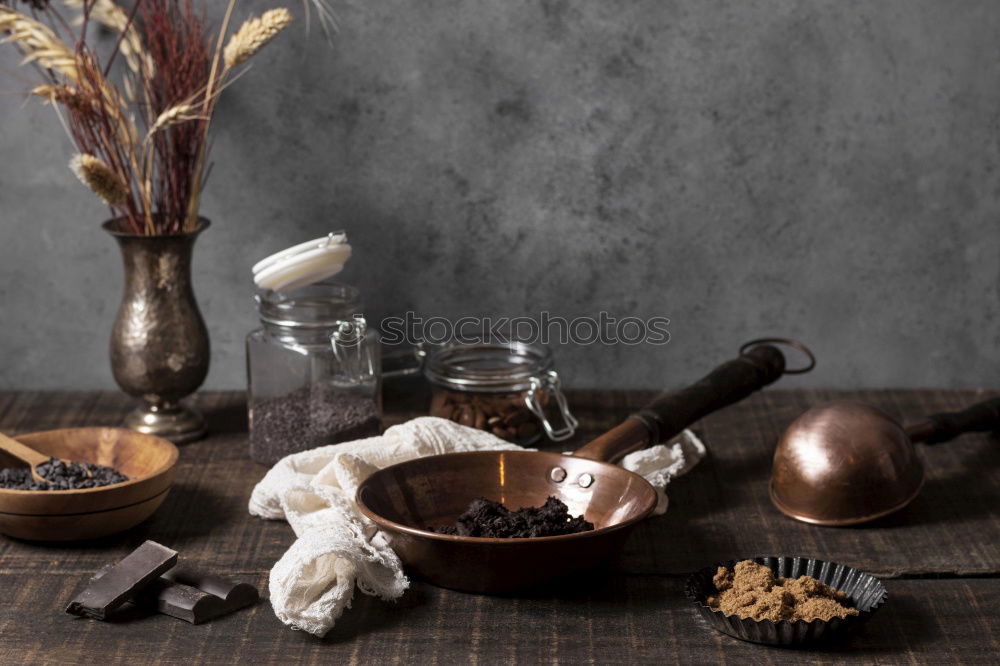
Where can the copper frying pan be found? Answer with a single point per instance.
(405, 499)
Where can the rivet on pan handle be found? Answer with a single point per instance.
(551, 384)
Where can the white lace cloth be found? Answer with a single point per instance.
(338, 548)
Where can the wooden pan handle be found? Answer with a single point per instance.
(670, 413)
(940, 428)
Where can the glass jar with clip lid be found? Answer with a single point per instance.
(313, 367)
(507, 389)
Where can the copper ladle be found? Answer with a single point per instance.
(847, 463)
(407, 499)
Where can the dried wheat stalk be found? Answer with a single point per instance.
(181, 113)
(37, 42)
(55, 92)
(254, 34)
(174, 77)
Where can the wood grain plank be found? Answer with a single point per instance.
(634, 614)
(720, 510)
(621, 619)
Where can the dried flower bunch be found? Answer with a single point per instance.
(142, 147)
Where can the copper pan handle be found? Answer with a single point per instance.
(940, 428)
(671, 412)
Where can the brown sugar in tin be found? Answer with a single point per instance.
(862, 592)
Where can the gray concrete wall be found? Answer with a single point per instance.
(824, 169)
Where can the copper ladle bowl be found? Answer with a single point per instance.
(846, 463)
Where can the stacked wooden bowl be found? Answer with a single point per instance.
(150, 464)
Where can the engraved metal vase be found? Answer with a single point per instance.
(159, 344)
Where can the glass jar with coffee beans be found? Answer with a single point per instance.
(510, 390)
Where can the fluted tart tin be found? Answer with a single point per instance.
(864, 592)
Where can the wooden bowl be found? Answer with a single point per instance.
(149, 462)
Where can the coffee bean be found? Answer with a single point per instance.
(527, 429)
(504, 414)
(467, 415)
(439, 402)
(515, 418)
(443, 411)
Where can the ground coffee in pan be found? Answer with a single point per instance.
(486, 518)
(60, 476)
(306, 418)
(751, 590)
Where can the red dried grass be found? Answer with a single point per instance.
(179, 48)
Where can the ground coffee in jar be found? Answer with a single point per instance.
(308, 417)
(511, 390)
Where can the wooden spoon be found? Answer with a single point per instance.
(24, 454)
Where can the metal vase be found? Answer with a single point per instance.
(159, 344)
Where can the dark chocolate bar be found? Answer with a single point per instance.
(236, 595)
(196, 597)
(103, 595)
(191, 596)
(181, 601)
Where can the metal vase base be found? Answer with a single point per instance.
(176, 423)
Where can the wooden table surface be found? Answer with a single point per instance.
(940, 558)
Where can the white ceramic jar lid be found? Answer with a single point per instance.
(303, 264)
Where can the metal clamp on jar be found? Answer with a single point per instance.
(505, 389)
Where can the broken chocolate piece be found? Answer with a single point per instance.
(235, 594)
(122, 581)
(181, 601)
(191, 596)
(195, 597)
